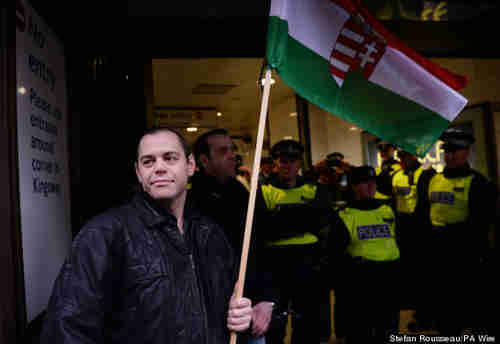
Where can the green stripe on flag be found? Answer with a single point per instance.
(373, 108)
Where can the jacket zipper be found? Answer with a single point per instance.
(202, 303)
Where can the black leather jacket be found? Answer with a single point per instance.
(132, 277)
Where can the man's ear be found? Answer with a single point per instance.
(191, 163)
(136, 167)
(204, 161)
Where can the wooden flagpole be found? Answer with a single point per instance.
(253, 190)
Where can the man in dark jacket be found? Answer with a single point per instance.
(222, 197)
(152, 271)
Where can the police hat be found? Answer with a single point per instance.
(382, 145)
(335, 155)
(455, 138)
(361, 174)
(290, 148)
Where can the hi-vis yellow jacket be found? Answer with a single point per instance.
(275, 197)
(372, 233)
(449, 199)
(405, 191)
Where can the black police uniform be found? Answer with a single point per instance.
(457, 241)
(410, 187)
(364, 268)
(290, 230)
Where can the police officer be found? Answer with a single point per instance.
(462, 206)
(386, 170)
(364, 263)
(295, 212)
(409, 185)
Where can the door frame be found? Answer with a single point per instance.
(12, 299)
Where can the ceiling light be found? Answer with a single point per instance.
(219, 114)
(191, 129)
(353, 128)
(287, 137)
(21, 90)
(263, 81)
(293, 114)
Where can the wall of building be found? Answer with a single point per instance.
(333, 134)
(283, 120)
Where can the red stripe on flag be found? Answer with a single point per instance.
(343, 58)
(337, 72)
(453, 80)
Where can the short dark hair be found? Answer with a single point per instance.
(201, 145)
(155, 130)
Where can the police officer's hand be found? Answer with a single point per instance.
(261, 317)
(239, 315)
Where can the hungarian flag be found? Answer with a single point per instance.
(338, 56)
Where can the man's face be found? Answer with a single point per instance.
(162, 167)
(288, 167)
(221, 163)
(366, 189)
(266, 168)
(456, 157)
(386, 151)
(407, 159)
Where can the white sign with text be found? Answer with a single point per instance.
(43, 155)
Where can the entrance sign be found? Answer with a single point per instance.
(42, 124)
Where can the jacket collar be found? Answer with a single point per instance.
(276, 181)
(457, 172)
(412, 168)
(154, 215)
(365, 204)
(210, 184)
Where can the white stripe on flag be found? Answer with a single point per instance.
(345, 50)
(352, 35)
(314, 23)
(339, 64)
(400, 74)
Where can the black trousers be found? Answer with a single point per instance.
(367, 302)
(410, 243)
(295, 272)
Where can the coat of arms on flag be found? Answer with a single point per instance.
(358, 46)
